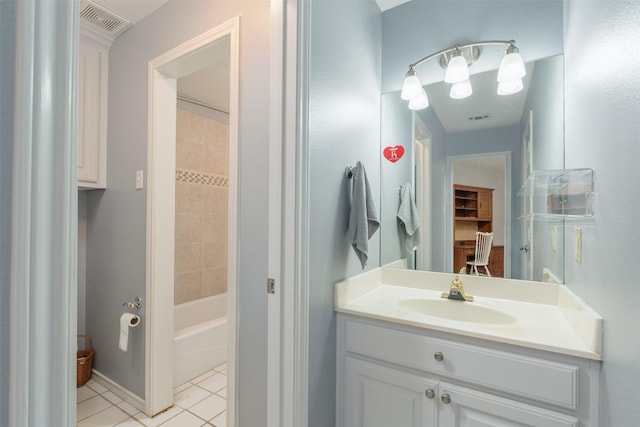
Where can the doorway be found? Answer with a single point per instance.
(488, 170)
(164, 72)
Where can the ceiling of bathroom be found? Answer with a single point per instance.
(132, 10)
(207, 86)
(135, 10)
(459, 115)
(389, 4)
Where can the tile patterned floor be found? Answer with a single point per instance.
(200, 402)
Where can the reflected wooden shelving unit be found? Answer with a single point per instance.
(473, 211)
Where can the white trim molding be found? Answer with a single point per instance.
(44, 212)
(163, 74)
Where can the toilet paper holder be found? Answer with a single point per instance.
(130, 305)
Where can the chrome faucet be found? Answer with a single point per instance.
(456, 291)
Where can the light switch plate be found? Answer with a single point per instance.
(139, 180)
(578, 245)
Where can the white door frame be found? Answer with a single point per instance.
(422, 188)
(288, 320)
(526, 248)
(161, 163)
(40, 215)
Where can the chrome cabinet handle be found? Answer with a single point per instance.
(446, 399)
(430, 393)
(438, 356)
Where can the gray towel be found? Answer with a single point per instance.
(409, 219)
(363, 218)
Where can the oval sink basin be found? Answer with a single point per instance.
(456, 310)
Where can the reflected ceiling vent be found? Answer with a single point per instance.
(480, 117)
(101, 20)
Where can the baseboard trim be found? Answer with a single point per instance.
(132, 399)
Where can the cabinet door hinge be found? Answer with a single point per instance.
(271, 285)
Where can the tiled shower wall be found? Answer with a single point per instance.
(202, 177)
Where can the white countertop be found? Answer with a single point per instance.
(544, 316)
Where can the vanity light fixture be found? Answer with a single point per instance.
(457, 69)
(461, 89)
(456, 61)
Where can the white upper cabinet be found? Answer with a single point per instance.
(92, 114)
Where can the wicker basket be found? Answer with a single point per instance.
(85, 361)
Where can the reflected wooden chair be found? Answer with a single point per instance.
(483, 250)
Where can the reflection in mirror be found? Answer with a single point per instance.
(489, 144)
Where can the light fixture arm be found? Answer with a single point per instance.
(462, 46)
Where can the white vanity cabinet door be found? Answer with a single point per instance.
(528, 377)
(377, 396)
(92, 114)
(464, 407)
(384, 370)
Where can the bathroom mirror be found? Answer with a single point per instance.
(448, 144)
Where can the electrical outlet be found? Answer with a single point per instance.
(578, 245)
(554, 238)
(139, 180)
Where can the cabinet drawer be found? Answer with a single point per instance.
(533, 378)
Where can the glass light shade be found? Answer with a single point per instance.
(457, 70)
(419, 102)
(509, 87)
(461, 90)
(511, 67)
(411, 87)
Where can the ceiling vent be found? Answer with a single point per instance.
(480, 117)
(102, 20)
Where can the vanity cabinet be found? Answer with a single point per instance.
(398, 375)
(378, 396)
(92, 114)
(465, 407)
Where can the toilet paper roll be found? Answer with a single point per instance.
(127, 320)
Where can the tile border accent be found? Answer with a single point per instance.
(201, 178)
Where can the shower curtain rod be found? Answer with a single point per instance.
(201, 104)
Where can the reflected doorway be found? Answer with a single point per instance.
(489, 173)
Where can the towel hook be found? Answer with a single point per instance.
(130, 305)
(349, 172)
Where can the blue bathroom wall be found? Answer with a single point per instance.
(439, 197)
(344, 127)
(545, 99)
(7, 74)
(396, 130)
(602, 107)
(116, 217)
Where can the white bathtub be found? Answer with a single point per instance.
(200, 337)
